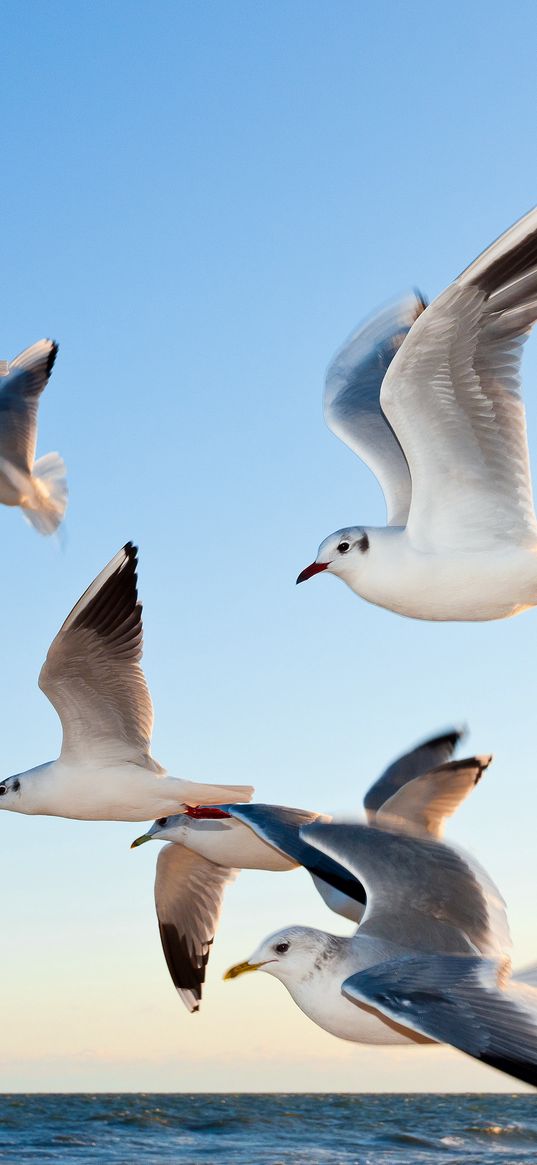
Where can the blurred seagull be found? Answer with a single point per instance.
(430, 399)
(92, 676)
(38, 487)
(430, 962)
(210, 846)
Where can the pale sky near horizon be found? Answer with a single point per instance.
(199, 202)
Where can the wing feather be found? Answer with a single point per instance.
(92, 673)
(458, 1000)
(189, 891)
(352, 399)
(21, 385)
(430, 754)
(453, 396)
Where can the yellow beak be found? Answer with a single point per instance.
(241, 969)
(140, 840)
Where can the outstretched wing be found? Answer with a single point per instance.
(453, 397)
(456, 1000)
(421, 893)
(352, 399)
(430, 754)
(21, 383)
(426, 802)
(92, 672)
(189, 891)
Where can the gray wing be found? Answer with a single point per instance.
(457, 1000)
(281, 828)
(453, 396)
(352, 400)
(426, 802)
(189, 891)
(420, 892)
(92, 672)
(427, 755)
(21, 383)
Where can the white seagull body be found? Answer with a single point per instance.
(430, 399)
(38, 487)
(211, 846)
(92, 676)
(430, 962)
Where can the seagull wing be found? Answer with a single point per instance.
(92, 672)
(426, 802)
(421, 893)
(453, 397)
(458, 1000)
(189, 891)
(421, 759)
(21, 383)
(281, 828)
(352, 399)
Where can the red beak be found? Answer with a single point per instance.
(309, 571)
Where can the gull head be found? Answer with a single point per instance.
(342, 553)
(165, 829)
(10, 793)
(291, 955)
(179, 826)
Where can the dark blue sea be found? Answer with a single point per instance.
(286, 1129)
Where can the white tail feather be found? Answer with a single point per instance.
(198, 794)
(46, 504)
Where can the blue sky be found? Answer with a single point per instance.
(199, 202)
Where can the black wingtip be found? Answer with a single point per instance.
(52, 356)
(422, 301)
(509, 266)
(452, 738)
(187, 968)
(115, 608)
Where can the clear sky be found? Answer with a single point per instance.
(199, 202)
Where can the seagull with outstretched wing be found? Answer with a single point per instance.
(93, 677)
(430, 399)
(208, 846)
(430, 962)
(38, 487)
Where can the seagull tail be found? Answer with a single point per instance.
(197, 794)
(46, 504)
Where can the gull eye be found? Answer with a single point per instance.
(3, 789)
(281, 948)
(162, 821)
(343, 547)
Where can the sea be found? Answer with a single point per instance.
(275, 1129)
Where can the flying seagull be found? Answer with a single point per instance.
(92, 676)
(430, 398)
(429, 963)
(38, 487)
(210, 846)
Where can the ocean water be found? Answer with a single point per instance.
(283, 1129)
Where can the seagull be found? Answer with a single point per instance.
(210, 845)
(430, 962)
(93, 678)
(38, 487)
(430, 398)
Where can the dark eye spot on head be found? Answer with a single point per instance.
(281, 948)
(3, 789)
(162, 821)
(343, 547)
(16, 786)
(364, 543)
